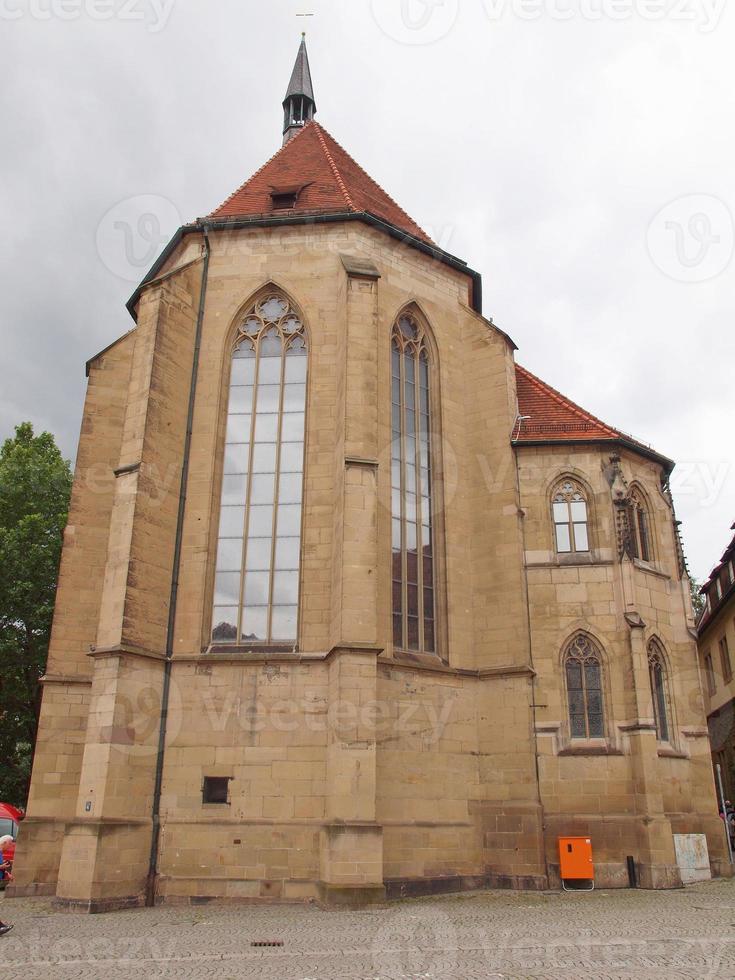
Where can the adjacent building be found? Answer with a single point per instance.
(716, 631)
(351, 604)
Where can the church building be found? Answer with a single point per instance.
(351, 604)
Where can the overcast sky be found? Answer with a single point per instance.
(580, 154)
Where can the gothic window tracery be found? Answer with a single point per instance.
(583, 669)
(659, 690)
(639, 526)
(571, 532)
(256, 593)
(413, 577)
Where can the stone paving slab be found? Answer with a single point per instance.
(605, 934)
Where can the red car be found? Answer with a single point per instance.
(10, 817)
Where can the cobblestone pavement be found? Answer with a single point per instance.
(613, 934)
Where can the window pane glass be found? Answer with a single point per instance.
(429, 635)
(231, 522)
(229, 555)
(580, 537)
(592, 676)
(396, 533)
(412, 595)
(269, 398)
(236, 458)
(579, 511)
(234, 489)
(241, 401)
(293, 427)
(256, 588)
(258, 555)
(269, 371)
(561, 513)
(260, 524)
(243, 371)
(238, 428)
(292, 457)
(287, 553)
(266, 428)
(295, 368)
(411, 537)
(226, 588)
(255, 623)
(264, 458)
(290, 488)
(574, 675)
(289, 520)
(596, 727)
(563, 540)
(577, 726)
(294, 398)
(284, 622)
(224, 624)
(398, 630)
(262, 488)
(286, 588)
(413, 632)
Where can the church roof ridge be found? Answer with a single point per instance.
(335, 169)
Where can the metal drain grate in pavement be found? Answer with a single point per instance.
(267, 942)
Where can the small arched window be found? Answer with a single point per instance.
(639, 526)
(659, 690)
(571, 532)
(256, 592)
(583, 668)
(411, 482)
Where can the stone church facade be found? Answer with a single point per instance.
(350, 603)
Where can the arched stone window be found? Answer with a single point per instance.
(583, 669)
(569, 505)
(256, 593)
(659, 690)
(639, 526)
(411, 481)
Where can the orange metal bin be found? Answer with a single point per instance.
(575, 860)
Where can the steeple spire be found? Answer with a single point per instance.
(299, 105)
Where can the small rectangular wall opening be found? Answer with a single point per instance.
(215, 789)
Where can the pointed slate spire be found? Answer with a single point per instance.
(299, 105)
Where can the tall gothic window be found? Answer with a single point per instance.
(659, 690)
(411, 477)
(256, 594)
(639, 527)
(570, 519)
(583, 667)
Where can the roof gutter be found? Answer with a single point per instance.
(268, 221)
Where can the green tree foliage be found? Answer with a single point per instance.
(697, 599)
(35, 484)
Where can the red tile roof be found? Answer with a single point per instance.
(552, 417)
(330, 180)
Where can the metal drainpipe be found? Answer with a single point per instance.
(150, 895)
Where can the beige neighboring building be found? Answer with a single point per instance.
(350, 603)
(716, 631)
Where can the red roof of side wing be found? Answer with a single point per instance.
(549, 416)
(327, 180)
